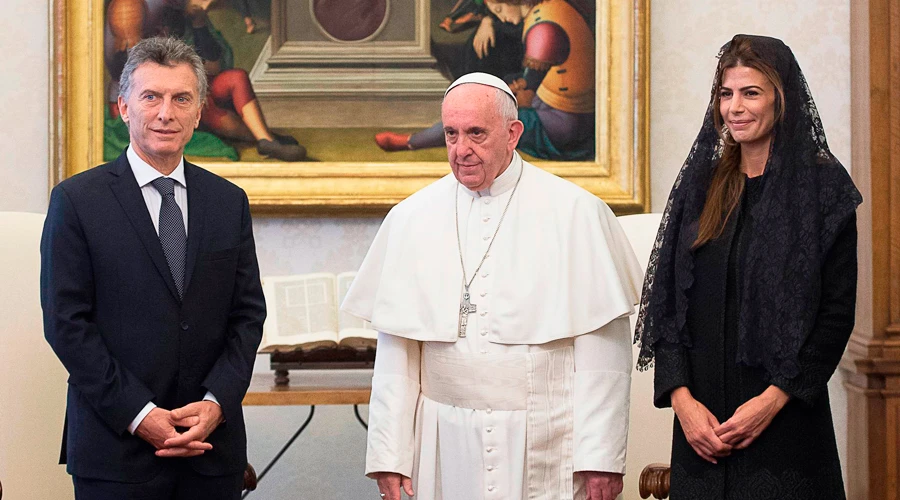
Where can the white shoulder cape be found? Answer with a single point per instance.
(563, 266)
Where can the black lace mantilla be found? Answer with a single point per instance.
(807, 199)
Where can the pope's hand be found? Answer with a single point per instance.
(389, 484)
(601, 485)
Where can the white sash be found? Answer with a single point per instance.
(540, 383)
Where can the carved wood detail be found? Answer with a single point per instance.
(872, 361)
(250, 479)
(655, 481)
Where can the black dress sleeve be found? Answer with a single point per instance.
(671, 372)
(825, 345)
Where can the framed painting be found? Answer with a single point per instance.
(332, 107)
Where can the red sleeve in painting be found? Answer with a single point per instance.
(546, 44)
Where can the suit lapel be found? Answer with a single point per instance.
(128, 193)
(196, 215)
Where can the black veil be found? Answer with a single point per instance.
(807, 199)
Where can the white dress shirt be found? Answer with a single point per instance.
(145, 175)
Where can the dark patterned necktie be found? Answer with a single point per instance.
(172, 234)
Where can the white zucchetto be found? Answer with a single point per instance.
(482, 79)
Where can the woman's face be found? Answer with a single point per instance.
(747, 104)
(507, 13)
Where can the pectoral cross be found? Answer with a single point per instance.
(466, 307)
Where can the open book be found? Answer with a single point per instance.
(303, 314)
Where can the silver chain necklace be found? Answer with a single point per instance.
(466, 307)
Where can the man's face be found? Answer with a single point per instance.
(479, 141)
(162, 111)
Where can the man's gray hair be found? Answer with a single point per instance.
(165, 51)
(507, 107)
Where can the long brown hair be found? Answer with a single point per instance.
(727, 184)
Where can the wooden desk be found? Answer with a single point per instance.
(319, 388)
(309, 388)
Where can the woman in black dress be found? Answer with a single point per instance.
(750, 293)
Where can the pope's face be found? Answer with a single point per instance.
(162, 110)
(480, 142)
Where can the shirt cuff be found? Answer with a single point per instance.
(140, 416)
(209, 397)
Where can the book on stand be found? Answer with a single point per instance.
(304, 317)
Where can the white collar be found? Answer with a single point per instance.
(145, 174)
(504, 182)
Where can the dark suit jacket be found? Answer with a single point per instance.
(113, 317)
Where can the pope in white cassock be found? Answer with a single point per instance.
(501, 294)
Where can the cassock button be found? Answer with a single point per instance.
(483, 294)
(489, 429)
(485, 275)
(489, 411)
(485, 219)
(490, 467)
(483, 313)
(485, 238)
(483, 351)
(489, 449)
(483, 333)
(184, 325)
(487, 201)
(491, 488)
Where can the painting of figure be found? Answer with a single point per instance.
(550, 69)
(544, 49)
(333, 106)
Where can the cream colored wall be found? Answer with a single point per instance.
(24, 101)
(327, 460)
(32, 380)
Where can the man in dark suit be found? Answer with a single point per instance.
(152, 301)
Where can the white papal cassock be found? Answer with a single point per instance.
(539, 386)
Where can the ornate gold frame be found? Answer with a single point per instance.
(620, 174)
